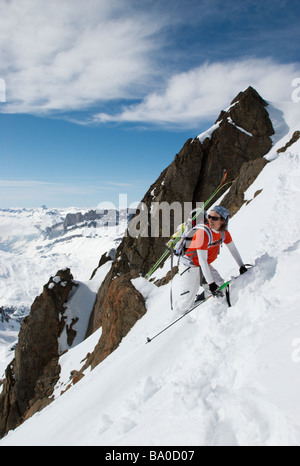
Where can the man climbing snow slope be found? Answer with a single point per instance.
(201, 250)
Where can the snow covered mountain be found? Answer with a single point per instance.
(220, 376)
(35, 244)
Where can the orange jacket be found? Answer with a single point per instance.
(201, 240)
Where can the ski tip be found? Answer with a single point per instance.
(224, 175)
(148, 340)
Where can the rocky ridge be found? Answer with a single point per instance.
(241, 138)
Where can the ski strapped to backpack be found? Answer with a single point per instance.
(178, 235)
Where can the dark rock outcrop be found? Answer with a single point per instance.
(248, 173)
(122, 305)
(106, 257)
(292, 141)
(32, 375)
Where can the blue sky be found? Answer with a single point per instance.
(100, 95)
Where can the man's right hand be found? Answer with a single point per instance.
(215, 290)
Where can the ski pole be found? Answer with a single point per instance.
(186, 313)
(222, 287)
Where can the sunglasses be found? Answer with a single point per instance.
(215, 219)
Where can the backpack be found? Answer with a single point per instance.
(181, 246)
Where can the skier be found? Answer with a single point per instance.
(200, 251)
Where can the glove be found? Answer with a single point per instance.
(215, 290)
(243, 269)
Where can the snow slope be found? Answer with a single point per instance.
(220, 376)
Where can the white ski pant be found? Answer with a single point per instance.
(190, 279)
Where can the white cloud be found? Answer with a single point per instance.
(66, 55)
(201, 93)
